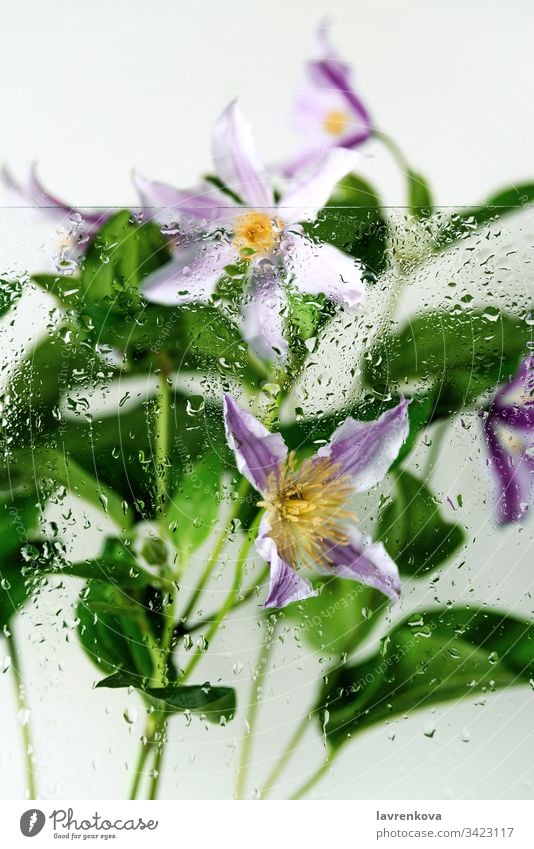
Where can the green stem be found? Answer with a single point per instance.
(219, 545)
(144, 752)
(161, 449)
(229, 600)
(158, 761)
(25, 726)
(243, 598)
(394, 295)
(313, 780)
(394, 149)
(246, 745)
(284, 758)
(156, 725)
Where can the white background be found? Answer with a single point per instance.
(93, 90)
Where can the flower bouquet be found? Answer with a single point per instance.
(235, 414)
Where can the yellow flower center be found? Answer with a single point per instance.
(256, 233)
(336, 122)
(306, 508)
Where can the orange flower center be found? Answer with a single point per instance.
(335, 122)
(256, 233)
(306, 508)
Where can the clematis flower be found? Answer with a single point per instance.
(308, 521)
(509, 430)
(328, 110)
(266, 236)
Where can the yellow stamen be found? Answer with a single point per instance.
(306, 509)
(336, 122)
(256, 233)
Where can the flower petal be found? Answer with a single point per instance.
(236, 160)
(165, 204)
(303, 201)
(320, 268)
(519, 392)
(329, 71)
(365, 561)
(31, 191)
(191, 276)
(366, 450)
(285, 585)
(513, 471)
(258, 452)
(314, 107)
(263, 314)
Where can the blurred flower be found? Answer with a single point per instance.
(327, 110)
(31, 192)
(307, 520)
(217, 229)
(509, 429)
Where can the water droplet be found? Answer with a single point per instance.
(130, 714)
(202, 644)
(23, 716)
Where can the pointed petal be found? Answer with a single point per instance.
(513, 471)
(519, 392)
(236, 160)
(285, 585)
(32, 192)
(366, 450)
(365, 561)
(320, 268)
(165, 204)
(263, 315)
(191, 276)
(258, 452)
(303, 202)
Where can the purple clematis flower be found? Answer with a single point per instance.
(216, 231)
(308, 521)
(30, 191)
(509, 430)
(328, 110)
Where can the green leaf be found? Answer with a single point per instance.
(353, 221)
(503, 202)
(57, 364)
(121, 255)
(339, 617)
(18, 524)
(66, 472)
(419, 195)
(120, 629)
(115, 565)
(459, 355)
(195, 505)
(10, 292)
(433, 657)
(411, 527)
(18, 519)
(213, 703)
(17, 584)
(131, 473)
